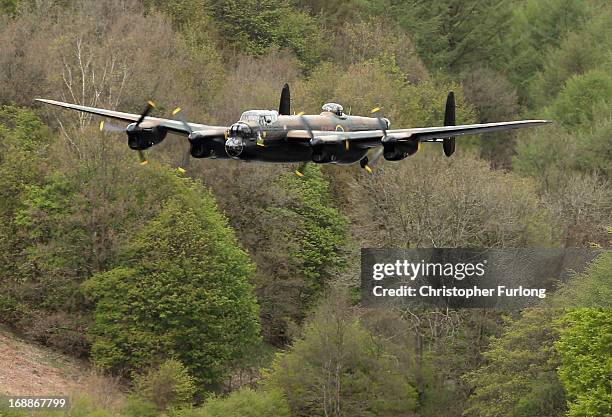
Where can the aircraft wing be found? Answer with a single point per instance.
(437, 134)
(176, 126)
(372, 138)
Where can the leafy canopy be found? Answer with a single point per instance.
(180, 290)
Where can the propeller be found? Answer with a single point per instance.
(367, 163)
(187, 155)
(300, 171)
(448, 144)
(112, 128)
(150, 106)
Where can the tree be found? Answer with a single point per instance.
(536, 27)
(73, 223)
(519, 376)
(9, 7)
(339, 368)
(572, 178)
(180, 290)
(169, 385)
(254, 26)
(575, 105)
(581, 51)
(495, 99)
(584, 349)
(548, 361)
(378, 39)
(23, 143)
(453, 34)
(592, 288)
(433, 201)
(245, 403)
(311, 233)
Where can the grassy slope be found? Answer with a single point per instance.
(29, 369)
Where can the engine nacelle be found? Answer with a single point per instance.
(394, 150)
(323, 153)
(143, 137)
(202, 146)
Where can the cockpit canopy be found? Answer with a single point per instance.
(333, 108)
(262, 117)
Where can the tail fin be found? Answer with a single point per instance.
(449, 120)
(284, 107)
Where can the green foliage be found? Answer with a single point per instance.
(23, 141)
(575, 104)
(335, 12)
(339, 368)
(494, 99)
(545, 155)
(9, 7)
(254, 26)
(244, 403)
(454, 34)
(298, 237)
(549, 155)
(318, 229)
(74, 225)
(594, 150)
(163, 259)
(585, 349)
(55, 240)
(169, 385)
(380, 40)
(435, 201)
(592, 288)
(180, 290)
(581, 51)
(519, 377)
(380, 82)
(537, 26)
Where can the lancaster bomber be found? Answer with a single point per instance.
(278, 136)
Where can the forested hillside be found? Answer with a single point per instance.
(231, 289)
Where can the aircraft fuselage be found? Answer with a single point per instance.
(258, 140)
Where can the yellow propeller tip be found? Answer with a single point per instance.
(368, 169)
(175, 111)
(102, 125)
(151, 103)
(144, 162)
(300, 113)
(299, 174)
(346, 145)
(375, 109)
(181, 170)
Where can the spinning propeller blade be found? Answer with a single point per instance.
(143, 158)
(150, 106)
(300, 171)
(367, 163)
(111, 128)
(187, 156)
